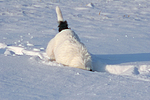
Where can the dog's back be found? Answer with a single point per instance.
(66, 47)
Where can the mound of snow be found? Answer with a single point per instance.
(2, 46)
(90, 5)
(122, 69)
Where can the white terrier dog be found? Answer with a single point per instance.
(66, 48)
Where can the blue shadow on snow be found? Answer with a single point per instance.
(100, 61)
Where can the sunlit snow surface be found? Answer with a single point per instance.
(116, 33)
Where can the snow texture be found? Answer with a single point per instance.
(115, 32)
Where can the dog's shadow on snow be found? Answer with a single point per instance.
(101, 61)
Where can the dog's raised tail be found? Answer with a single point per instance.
(59, 14)
(62, 24)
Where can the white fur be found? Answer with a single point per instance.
(59, 14)
(67, 49)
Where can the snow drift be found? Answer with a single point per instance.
(115, 32)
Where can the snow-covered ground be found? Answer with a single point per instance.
(116, 33)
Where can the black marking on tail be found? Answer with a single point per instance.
(62, 25)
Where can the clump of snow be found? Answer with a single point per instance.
(7, 53)
(16, 50)
(29, 44)
(144, 69)
(35, 49)
(2, 46)
(90, 5)
(122, 70)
